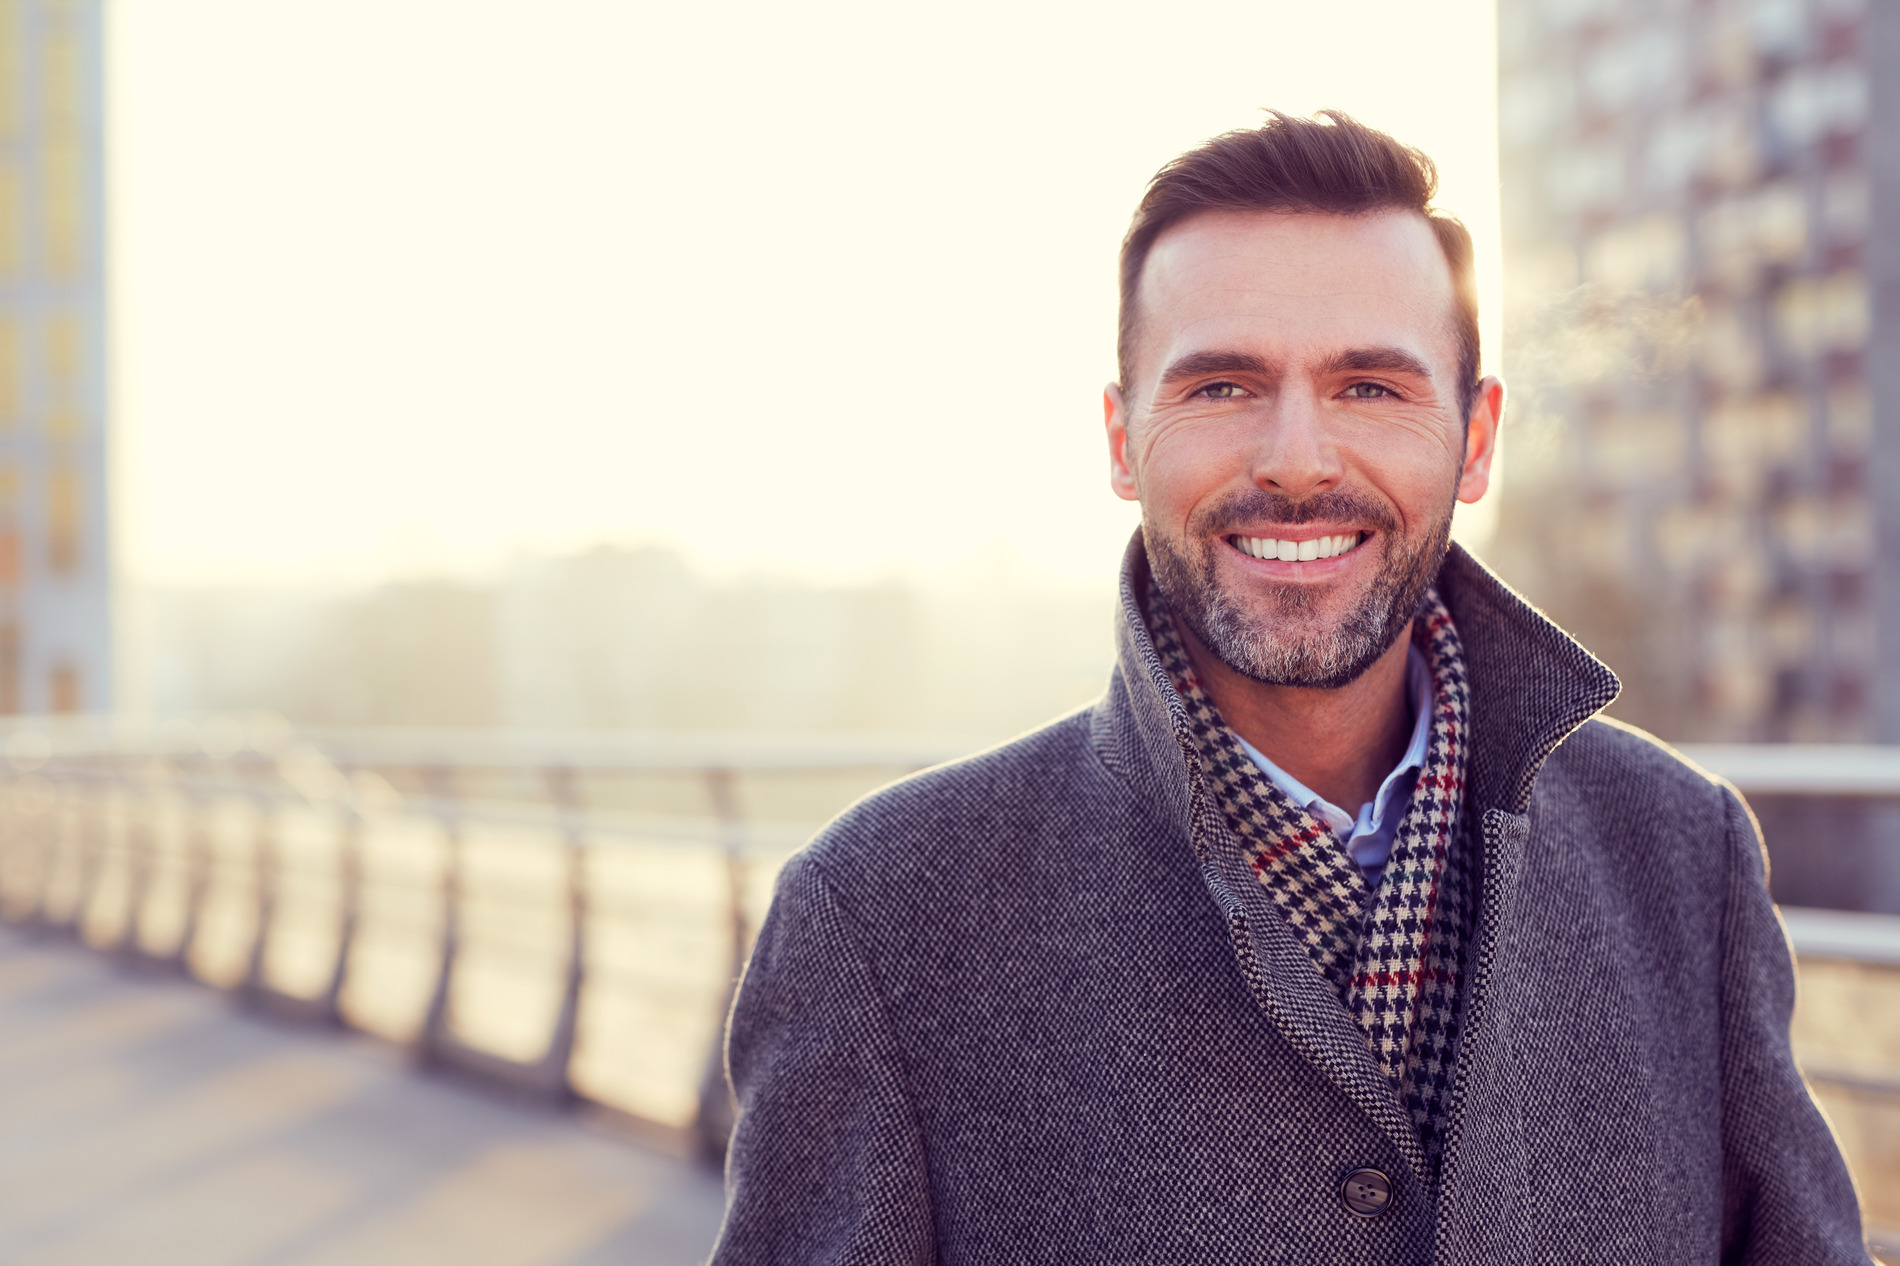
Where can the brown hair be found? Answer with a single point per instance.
(1340, 167)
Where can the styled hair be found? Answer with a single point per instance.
(1338, 167)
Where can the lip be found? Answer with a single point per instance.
(1317, 569)
(1302, 532)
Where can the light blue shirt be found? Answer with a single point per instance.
(1368, 836)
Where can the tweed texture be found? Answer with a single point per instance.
(1394, 950)
(1030, 1009)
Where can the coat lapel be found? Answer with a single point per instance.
(1299, 1001)
(1531, 686)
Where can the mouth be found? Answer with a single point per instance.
(1307, 550)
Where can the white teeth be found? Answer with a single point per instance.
(1306, 551)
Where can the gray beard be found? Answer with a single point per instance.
(1262, 646)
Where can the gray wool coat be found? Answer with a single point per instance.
(1031, 1007)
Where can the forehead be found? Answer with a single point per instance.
(1288, 284)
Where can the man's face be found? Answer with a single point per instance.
(1296, 392)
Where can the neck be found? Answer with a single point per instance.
(1340, 742)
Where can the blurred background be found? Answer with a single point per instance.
(480, 483)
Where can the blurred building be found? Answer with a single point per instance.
(55, 643)
(619, 638)
(1704, 345)
(1696, 486)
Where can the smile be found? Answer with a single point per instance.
(1298, 551)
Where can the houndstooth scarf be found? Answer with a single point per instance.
(1393, 951)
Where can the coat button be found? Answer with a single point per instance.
(1367, 1192)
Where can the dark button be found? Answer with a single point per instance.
(1366, 1192)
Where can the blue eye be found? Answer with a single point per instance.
(1367, 391)
(1222, 391)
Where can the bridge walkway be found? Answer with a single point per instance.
(143, 1118)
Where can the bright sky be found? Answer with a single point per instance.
(414, 285)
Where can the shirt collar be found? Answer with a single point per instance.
(1418, 689)
(1531, 686)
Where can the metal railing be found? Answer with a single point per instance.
(1838, 772)
(95, 817)
(617, 875)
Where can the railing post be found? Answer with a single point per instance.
(266, 860)
(138, 840)
(350, 909)
(564, 792)
(114, 818)
(717, 1113)
(197, 868)
(92, 850)
(435, 1036)
(46, 835)
(11, 836)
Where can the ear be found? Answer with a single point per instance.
(1121, 475)
(1481, 440)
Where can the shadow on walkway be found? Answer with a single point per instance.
(143, 1118)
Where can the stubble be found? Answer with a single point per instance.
(1271, 633)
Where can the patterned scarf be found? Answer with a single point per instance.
(1394, 951)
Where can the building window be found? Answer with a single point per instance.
(62, 75)
(62, 187)
(12, 558)
(10, 226)
(62, 152)
(9, 669)
(9, 69)
(64, 364)
(11, 564)
(65, 688)
(62, 521)
(9, 373)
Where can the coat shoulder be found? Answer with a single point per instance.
(1634, 767)
(1618, 799)
(972, 817)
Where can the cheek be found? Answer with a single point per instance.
(1183, 464)
(1411, 464)
(1408, 436)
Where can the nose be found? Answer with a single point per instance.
(1296, 457)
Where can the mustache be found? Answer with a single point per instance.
(1254, 506)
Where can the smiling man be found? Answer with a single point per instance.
(1340, 929)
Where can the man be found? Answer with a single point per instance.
(1340, 930)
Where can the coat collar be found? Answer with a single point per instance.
(1531, 687)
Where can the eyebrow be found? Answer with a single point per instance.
(1391, 360)
(1198, 364)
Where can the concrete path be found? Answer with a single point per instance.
(146, 1119)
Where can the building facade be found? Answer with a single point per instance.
(1696, 316)
(55, 567)
(1702, 332)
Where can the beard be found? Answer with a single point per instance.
(1270, 633)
